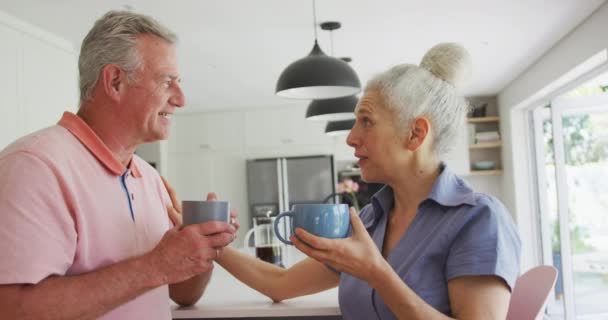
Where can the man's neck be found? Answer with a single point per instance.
(110, 130)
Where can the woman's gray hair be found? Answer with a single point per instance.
(112, 40)
(429, 90)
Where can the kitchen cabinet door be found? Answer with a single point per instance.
(207, 131)
(190, 174)
(8, 85)
(48, 84)
(307, 132)
(223, 131)
(458, 158)
(187, 130)
(282, 128)
(267, 128)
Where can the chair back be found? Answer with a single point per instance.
(529, 296)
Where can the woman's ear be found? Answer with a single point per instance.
(418, 133)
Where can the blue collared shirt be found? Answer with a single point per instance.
(456, 232)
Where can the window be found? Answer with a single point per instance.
(571, 144)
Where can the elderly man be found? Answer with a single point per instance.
(84, 229)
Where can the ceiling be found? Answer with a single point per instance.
(231, 52)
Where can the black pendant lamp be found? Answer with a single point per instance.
(335, 109)
(317, 76)
(336, 128)
(332, 109)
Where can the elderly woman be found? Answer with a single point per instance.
(427, 246)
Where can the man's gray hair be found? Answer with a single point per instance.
(429, 90)
(112, 40)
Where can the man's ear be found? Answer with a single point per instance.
(112, 78)
(418, 133)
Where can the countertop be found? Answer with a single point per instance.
(226, 297)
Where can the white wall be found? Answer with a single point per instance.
(540, 80)
(39, 78)
(154, 152)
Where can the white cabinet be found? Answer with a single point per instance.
(190, 174)
(458, 158)
(185, 133)
(39, 78)
(193, 132)
(48, 84)
(283, 127)
(224, 131)
(264, 128)
(9, 57)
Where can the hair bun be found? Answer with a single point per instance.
(448, 61)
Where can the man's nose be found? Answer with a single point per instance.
(178, 99)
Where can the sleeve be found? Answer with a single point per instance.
(487, 244)
(37, 232)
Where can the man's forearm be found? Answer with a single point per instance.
(85, 296)
(188, 292)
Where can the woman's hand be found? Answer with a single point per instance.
(174, 210)
(356, 255)
(234, 214)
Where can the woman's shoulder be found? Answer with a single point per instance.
(486, 204)
(488, 215)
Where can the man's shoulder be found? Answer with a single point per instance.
(47, 143)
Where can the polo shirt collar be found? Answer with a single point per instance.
(382, 202)
(95, 145)
(450, 190)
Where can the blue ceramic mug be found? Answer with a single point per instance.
(323, 220)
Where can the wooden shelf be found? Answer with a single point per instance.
(486, 145)
(485, 172)
(483, 119)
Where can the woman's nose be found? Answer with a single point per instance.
(350, 139)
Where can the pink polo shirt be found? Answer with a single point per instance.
(67, 207)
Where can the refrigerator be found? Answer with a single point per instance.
(275, 185)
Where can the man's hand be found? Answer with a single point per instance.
(184, 253)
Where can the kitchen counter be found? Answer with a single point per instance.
(226, 297)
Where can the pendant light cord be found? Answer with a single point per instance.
(331, 39)
(314, 17)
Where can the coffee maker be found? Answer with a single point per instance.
(266, 245)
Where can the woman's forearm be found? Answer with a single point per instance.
(400, 298)
(306, 277)
(263, 277)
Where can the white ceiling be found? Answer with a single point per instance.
(231, 52)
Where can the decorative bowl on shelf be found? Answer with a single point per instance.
(484, 165)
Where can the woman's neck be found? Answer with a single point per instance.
(414, 187)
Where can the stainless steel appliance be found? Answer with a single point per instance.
(274, 185)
